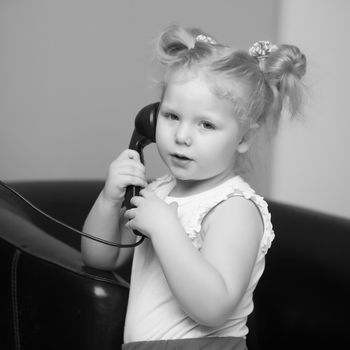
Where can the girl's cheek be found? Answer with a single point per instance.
(162, 135)
(161, 143)
(160, 130)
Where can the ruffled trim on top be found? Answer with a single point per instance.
(268, 235)
(196, 207)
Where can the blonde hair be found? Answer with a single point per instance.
(258, 91)
(262, 91)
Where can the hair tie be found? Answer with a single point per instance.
(261, 49)
(205, 39)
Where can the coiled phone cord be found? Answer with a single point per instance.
(81, 233)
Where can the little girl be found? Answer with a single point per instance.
(192, 281)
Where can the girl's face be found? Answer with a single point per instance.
(197, 134)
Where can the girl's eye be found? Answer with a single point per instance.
(171, 116)
(207, 125)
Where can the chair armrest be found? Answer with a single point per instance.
(49, 299)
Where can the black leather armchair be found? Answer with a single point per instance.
(50, 300)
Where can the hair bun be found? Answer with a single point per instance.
(183, 45)
(286, 60)
(284, 69)
(173, 43)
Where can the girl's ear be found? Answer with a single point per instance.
(248, 138)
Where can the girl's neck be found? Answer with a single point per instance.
(185, 188)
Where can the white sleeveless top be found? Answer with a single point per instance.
(153, 313)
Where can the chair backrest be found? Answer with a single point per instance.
(49, 300)
(303, 298)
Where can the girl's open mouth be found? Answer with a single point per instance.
(180, 156)
(180, 159)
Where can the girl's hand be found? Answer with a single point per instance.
(126, 170)
(151, 214)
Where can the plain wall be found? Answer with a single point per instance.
(74, 73)
(311, 165)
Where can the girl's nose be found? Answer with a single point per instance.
(183, 135)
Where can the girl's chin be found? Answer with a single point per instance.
(183, 175)
(199, 178)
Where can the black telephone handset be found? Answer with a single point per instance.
(144, 133)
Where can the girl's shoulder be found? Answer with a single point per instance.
(237, 187)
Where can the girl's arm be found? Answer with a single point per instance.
(106, 219)
(210, 283)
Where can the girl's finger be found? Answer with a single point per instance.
(129, 154)
(132, 154)
(136, 200)
(130, 214)
(136, 181)
(145, 193)
(130, 170)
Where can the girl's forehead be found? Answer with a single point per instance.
(181, 75)
(218, 83)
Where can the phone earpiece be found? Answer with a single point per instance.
(143, 134)
(145, 128)
(146, 120)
